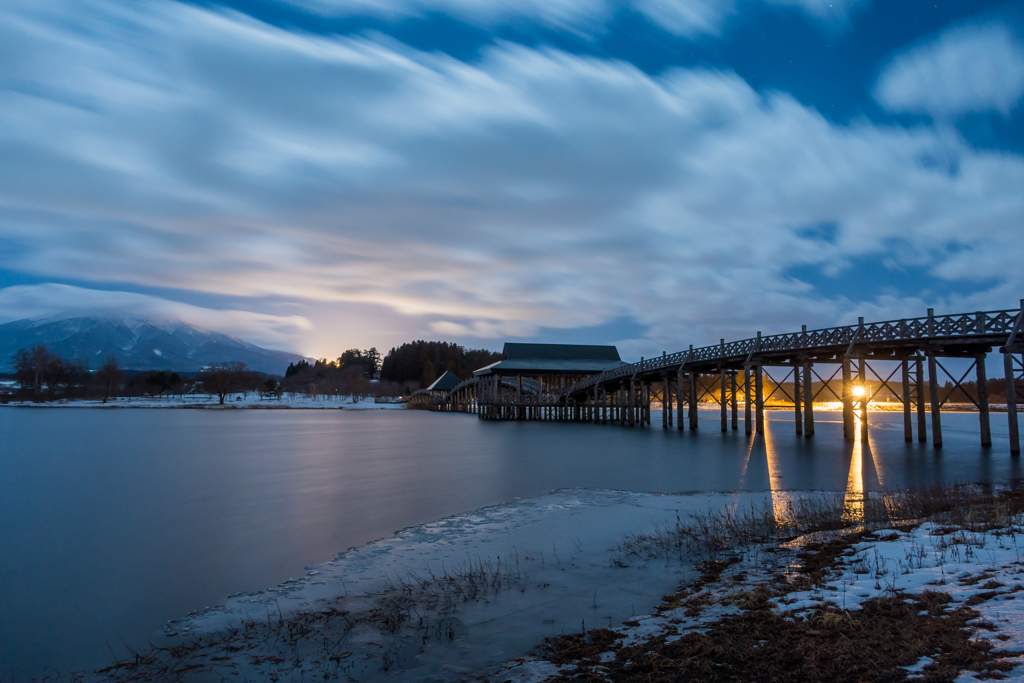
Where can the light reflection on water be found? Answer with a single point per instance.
(114, 521)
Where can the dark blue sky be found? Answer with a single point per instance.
(320, 174)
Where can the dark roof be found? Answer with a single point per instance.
(583, 352)
(553, 359)
(445, 382)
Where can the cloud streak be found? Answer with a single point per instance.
(182, 148)
(964, 70)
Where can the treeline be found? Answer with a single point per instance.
(352, 374)
(41, 375)
(422, 362)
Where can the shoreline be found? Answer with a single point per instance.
(204, 402)
(470, 596)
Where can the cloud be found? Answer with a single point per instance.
(688, 18)
(48, 300)
(164, 145)
(964, 70)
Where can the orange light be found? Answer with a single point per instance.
(859, 391)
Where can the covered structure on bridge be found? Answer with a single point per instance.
(552, 365)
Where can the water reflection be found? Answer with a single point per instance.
(864, 478)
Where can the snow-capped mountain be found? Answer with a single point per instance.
(138, 344)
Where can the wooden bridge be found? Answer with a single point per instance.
(679, 381)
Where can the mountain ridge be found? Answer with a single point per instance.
(139, 343)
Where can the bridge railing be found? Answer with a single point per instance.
(981, 323)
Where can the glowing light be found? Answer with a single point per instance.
(859, 391)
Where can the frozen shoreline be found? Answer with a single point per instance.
(475, 595)
(239, 400)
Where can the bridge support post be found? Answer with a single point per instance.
(631, 406)
(666, 406)
(748, 398)
(759, 397)
(693, 400)
(865, 397)
(1011, 402)
(808, 401)
(986, 427)
(922, 434)
(847, 399)
(679, 398)
(798, 417)
(933, 395)
(732, 400)
(908, 428)
(722, 400)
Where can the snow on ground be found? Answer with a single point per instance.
(237, 400)
(982, 570)
(559, 552)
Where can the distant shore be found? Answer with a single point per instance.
(240, 400)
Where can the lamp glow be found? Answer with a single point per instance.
(859, 391)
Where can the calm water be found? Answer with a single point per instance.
(114, 521)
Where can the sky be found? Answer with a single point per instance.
(317, 175)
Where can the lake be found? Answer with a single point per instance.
(114, 521)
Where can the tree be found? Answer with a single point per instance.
(31, 367)
(164, 381)
(223, 378)
(109, 376)
(408, 362)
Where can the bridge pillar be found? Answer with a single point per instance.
(933, 395)
(922, 433)
(679, 397)
(732, 400)
(759, 398)
(986, 427)
(808, 400)
(722, 397)
(798, 417)
(748, 398)
(908, 428)
(865, 397)
(847, 399)
(1011, 402)
(693, 400)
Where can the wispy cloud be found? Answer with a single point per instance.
(169, 146)
(966, 69)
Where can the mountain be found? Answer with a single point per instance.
(139, 344)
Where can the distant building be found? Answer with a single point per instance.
(552, 364)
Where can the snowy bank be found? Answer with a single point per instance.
(239, 400)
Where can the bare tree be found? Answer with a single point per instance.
(31, 366)
(223, 378)
(109, 376)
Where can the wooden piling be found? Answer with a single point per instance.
(847, 392)
(679, 398)
(798, 418)
(759, 397)
(808, 385)
(865, 396)
(1011, 402)
(748, 399)
(722, 398)
(693, 400)
(922, 434)
(986, 428)
(908, 428)
(933, 395)
(732, 400)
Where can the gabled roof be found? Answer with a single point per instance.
(516, 351)
(446, 382)
(553, 359)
